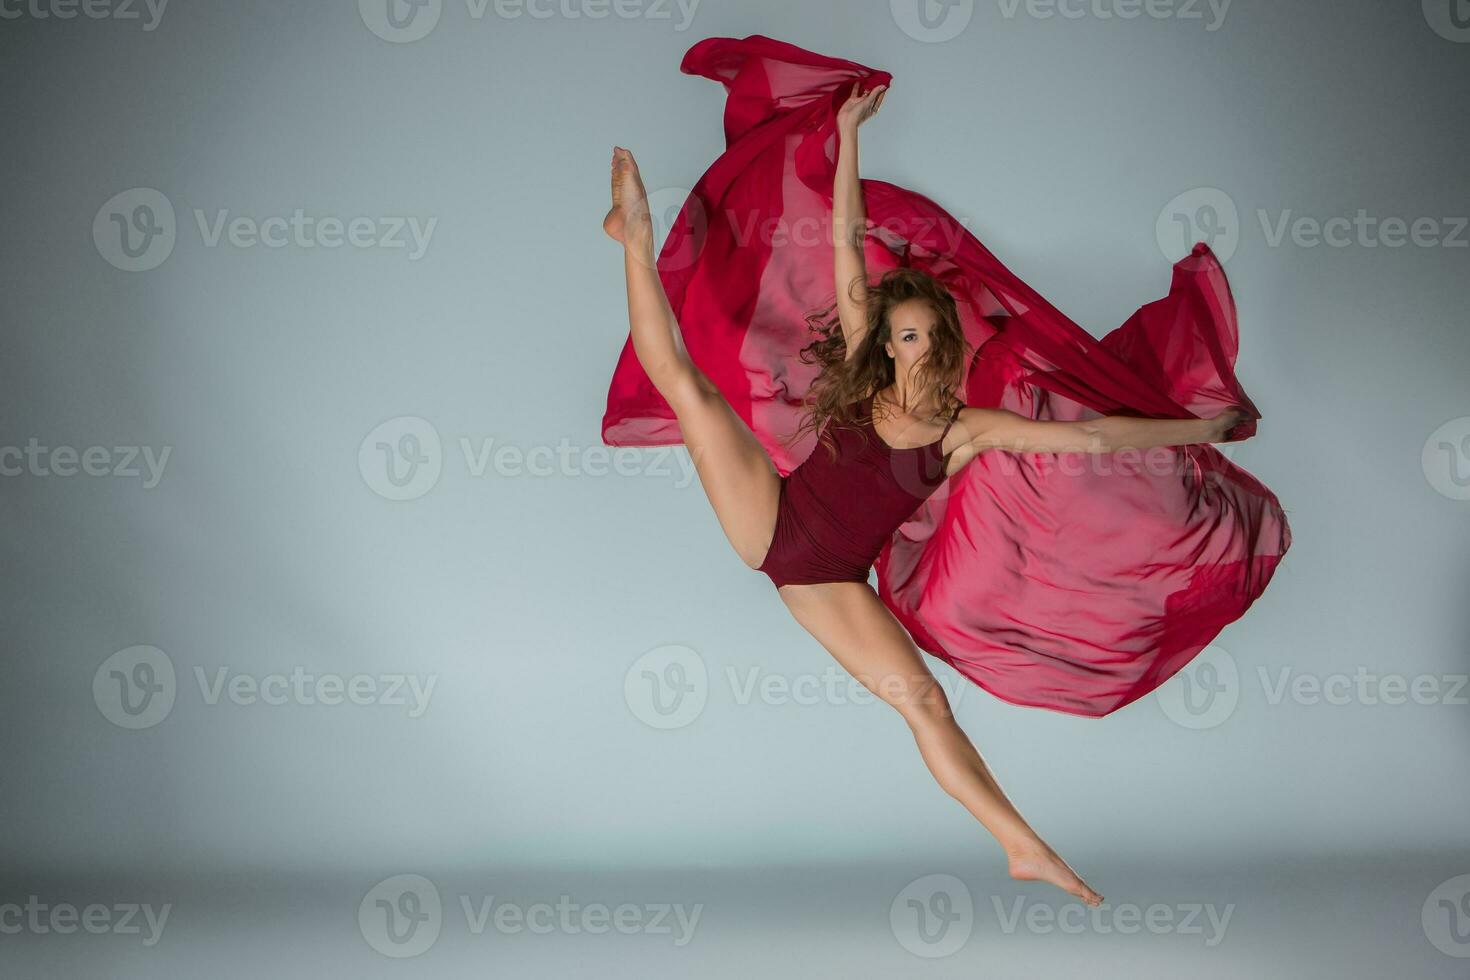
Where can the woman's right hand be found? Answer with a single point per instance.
(858, 109)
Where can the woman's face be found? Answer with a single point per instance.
(910, 326)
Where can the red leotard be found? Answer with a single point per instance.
(835, 514)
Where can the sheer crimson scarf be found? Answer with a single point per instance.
(1072, 582)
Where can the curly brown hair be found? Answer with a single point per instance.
(843, 382)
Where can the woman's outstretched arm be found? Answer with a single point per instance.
(850, 219)
(998, 428)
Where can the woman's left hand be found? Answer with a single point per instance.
(1227, 420)
(858, 109)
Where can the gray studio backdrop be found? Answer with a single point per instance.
(314, 560)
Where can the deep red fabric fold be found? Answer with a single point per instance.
(1072, 582)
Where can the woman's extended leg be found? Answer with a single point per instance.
(737, 474)
(852, 623)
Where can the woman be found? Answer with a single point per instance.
(817, 531)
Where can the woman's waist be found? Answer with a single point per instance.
(847, 516)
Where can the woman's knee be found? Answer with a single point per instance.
(924, 705)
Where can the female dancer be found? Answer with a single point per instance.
(895, 431)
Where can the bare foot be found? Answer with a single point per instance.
(1038, 862)
(628, 221)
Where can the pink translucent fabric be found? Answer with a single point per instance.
(1072, 582)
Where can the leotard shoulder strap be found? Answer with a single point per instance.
(952, 420)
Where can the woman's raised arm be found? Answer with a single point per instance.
(849, 218)
(999, 428)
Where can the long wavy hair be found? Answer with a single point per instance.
(843, 382)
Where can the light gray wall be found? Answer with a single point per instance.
(269, 544)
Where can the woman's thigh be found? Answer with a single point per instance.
(852, 624)
(737, 474)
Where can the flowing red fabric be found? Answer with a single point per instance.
(1073, 582)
